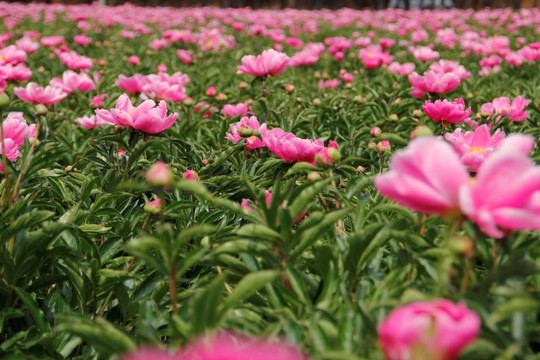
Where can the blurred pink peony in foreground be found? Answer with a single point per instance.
(244, 129)
(146, 117)
(475, 146)
(436, 330)
(15, 130)
(270, 62)
(233, 347)
(34, 94)
(446, 111)
(426, 177)
(505, 194)
(12, 55)
(72, 81)
(433, 83)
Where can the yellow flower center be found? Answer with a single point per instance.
(477, 149)
(472, 181)
(164, 96)
(252, 138)
(370, 55)
(3, 57)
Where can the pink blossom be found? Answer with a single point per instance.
(347, 77)
(16, 128)
(446, 111)
(424, 53)
(446, 66)
(501, 106)
(373, 57)
(473, 147)
(211, 91)
(72, 81)
(161, 68)
(34, 94)
(82, 39)
(438, 330)
(185, 56)
(145, 117)
(160, 174)
(75, 61)
(131, 84)
(432, 82)
(12, 55)
(52, 41)
(90, 122)
(289, 147)
(232, 110)
(270, 62)
(232, 347)
(330, 84)
(164, 86)
(12, 150)
(17, 72)
(401, 69)
(27, 45)
(134, 60)
(505, 194)
(96, 100)
(235, 135)
(191, 175)
(426, 177)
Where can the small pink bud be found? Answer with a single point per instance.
(211, 91)
(290, 88)
(160, 174)
(162, 68)
(376, 131)
(153, 207)
(134, 60)
(191, 175)
(384, 146)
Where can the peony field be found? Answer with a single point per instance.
(236, 184)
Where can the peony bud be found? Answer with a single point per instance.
(313, 176)
(358, 99)
(417, 113)
(393, 118)
(243, 85)
(41, 109)
(191, 175)
(384, 146)
(211, 91)
(245, 131)
(4, 99)
(421, 130)
(160, 175)
(153, 207)
(290, 88)
(316, 102)
(375, 131)
(188, 101)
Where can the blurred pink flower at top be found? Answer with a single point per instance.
(386, 43)
(438, 330)
(131, 84)
(505, 194)
(185, 56)
(75, 61)
(246, 125)
(401, 69)
(72, 81)
(134, 60)
(432, 82)
(34, 94)
(426, 177)
(474, 147)
(52, 41)
(270, 62)
(17, 72)
(161, 68)
(27, 44)
(424, 53)
(446, 66)
(232, 110)
(146, 117)
(16, 128)
(289, 147)
(90, 122)
(373, 57)
(446, 111)
(12, 55)
(232, 347)
(501, 106)
(82, 39)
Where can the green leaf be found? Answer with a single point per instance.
(24, 222)
(34, 310)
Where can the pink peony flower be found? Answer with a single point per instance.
(446, 111)
(17, 72)
(72, 81)
(96, 100)
(12, 55)
(438, 330)
(501, 106)
(373, 57)
(185, 56)
(505, 194)
(475, 146)
(27, 45)
(90, 122)
(146, 117)
(52, 41)
(347, 77)
(432, 82)
(426, 177)
(424, 53)
(232, 347)
(270, 62)
(401, 69)
(34, 94)
(75, 61)
(16, 128)
(191, 175)
(82, 39)
(232, 110)
(446, 66)
(131, 84)
(12, 150)
(246, 124)
(134, 60)
(331, 84)
(160, 174)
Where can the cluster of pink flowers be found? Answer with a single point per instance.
(15, 129)
(244, 129)
(374, 56)
(502, 106)
(433, 83)
(75, 61)
(158, 86)
(401, 69)
(446, 111)
(72, 81)
(232, 110)
(35, 94)
(330, 84)
(146, 117)
(419, 179)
